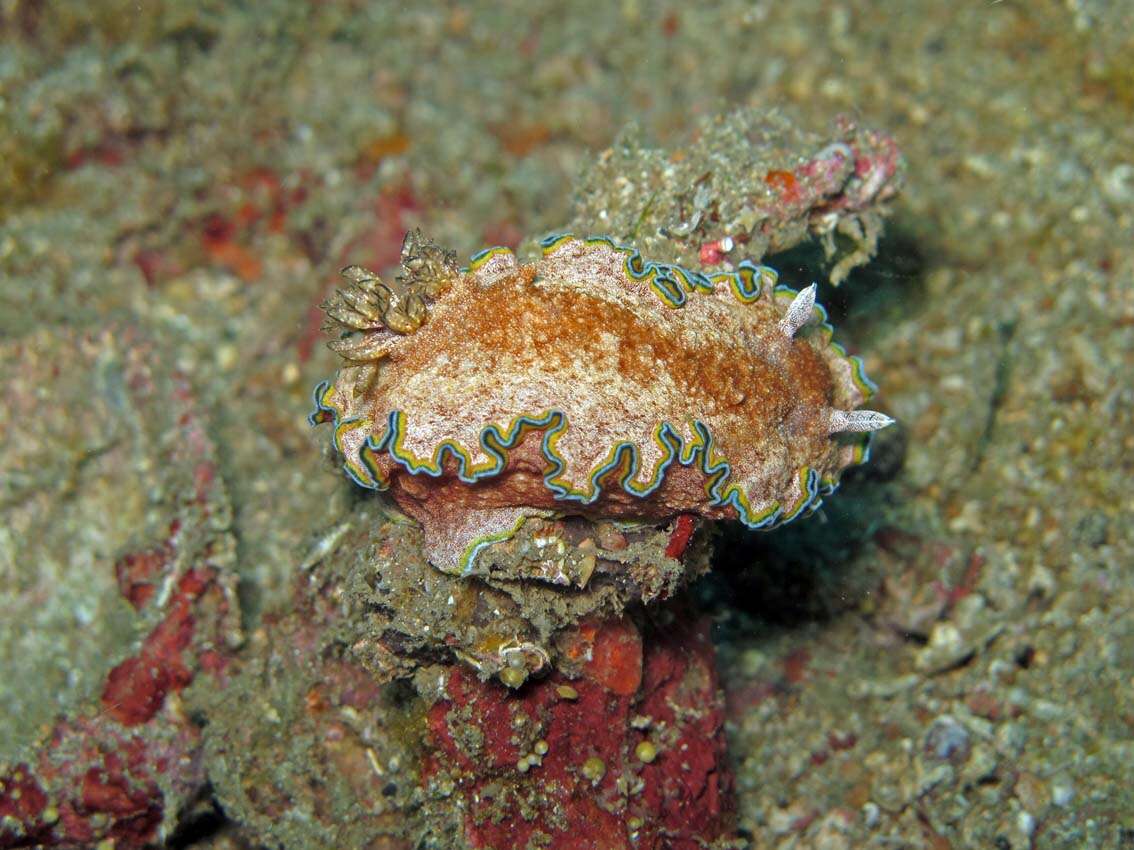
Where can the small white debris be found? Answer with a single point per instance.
(324, 545)
(1062, 793)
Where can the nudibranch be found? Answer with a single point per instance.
(591, 382)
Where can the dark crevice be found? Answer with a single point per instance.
(203, 821)
(885, 286)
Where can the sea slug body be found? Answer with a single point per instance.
(591, 382)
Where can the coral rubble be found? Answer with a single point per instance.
(113, 757)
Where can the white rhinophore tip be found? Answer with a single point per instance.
(857, 421)
(798, 312)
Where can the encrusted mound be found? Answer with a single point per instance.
(590, 382)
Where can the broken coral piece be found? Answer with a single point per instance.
(591, 382)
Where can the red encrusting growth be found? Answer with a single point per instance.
(92, 781)
(590, 728)
(136, 572)
(683, 529)
(117, 769)
(136, 688)
(616, 658)
(712, 253)
(785, 184)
